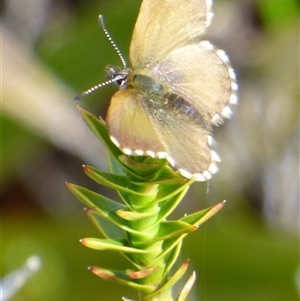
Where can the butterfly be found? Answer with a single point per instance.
(178, 86)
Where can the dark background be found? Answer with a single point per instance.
(51, 51)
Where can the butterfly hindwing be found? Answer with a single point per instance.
(183, 132)
(130, 127)
(202, 75)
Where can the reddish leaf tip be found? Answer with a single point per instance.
(186, 263)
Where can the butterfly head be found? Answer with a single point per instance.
(117, 75)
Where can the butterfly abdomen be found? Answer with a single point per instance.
(183, 109)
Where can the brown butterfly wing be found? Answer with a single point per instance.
(184, 134)
(130, 127)
(201, 74)
(163, 25)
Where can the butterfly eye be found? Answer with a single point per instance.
(121, 80)
(117, 75)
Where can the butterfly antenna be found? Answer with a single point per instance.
(89, 91)
(101, 23)
(110, 81)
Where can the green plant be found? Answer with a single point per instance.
(138, 228)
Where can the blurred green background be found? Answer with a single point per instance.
(53, 50)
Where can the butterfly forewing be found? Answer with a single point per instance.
(163, 25)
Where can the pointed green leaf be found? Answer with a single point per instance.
(167, 191)
(170, 229)
(134, 216)
(107, 228)
(116, 182)
(140, 274)
(173, 256)
(169, 245)
(169, 205)
(98, 127)
(121, 278)
(104, 206)
(94, 200)
(200, 217)
(167, 230)
(104, 178)
(119, 245)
